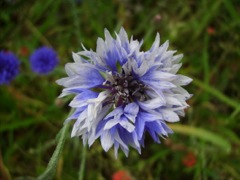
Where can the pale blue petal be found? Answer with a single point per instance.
(174, 69)
(156, 43)
(124, 40)
(152, 103)
(158, 76)
(129, 138)
(116, 147)
(177, 58)
(71, 90)
(80, 99)
(140, 125)
(162, 85)
(131, 111)
(121, 143)
(127, 125)
(100, 127)
(182, 80)
(106, 140)
(78, 59)
(110, 123)
(76, 114)
(115, 113)
(169, 116)
(173, 101)
(153, 128)
(149, 117)
(86, 77)
(166, 128)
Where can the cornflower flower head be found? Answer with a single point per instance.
(43, 60)
(9, 67)
(122, 93)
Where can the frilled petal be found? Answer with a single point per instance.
(153, 129)
(129, 138)
(116, 113)
(182, 80)
(106, 140)
(85, 76)
(111, 123)
(156, 43)
(174, 101)
(140, 126)
(122, 38)
(76, 114)
(126, 124)
(169, 115)
(142, 118)
(77, 59)
(177, 58)
(78, 127)
(131, 111)
(160, 85)
(111, 52)
(152, 103)
(71, 90)
(158, 76)
(81, 99)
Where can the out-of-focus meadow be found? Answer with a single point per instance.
(206, 142)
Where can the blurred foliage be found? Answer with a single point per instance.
(207, 32)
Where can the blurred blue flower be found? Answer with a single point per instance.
(122, 93)
(43, 60)
(9, 67)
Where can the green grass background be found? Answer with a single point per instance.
(206, 32)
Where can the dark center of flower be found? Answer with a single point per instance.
(125, 89)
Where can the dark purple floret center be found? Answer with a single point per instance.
(126, 89)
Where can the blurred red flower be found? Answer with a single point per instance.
(24, 51)
(211, 30)
(121, 175)
(189, 160)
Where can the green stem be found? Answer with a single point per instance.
(83, 162)
(50, 171)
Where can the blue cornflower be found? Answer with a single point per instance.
(9, 67)
(43, 60)
(122, 93)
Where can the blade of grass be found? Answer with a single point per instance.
(205, 59)
(76, 21)
(234, 113)
(234, 172)
(202, 134)
(206, 17)
(20, 124)
(37, 33)
(231, 9)
(217, 94)
(38, 9)
(229, 26)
